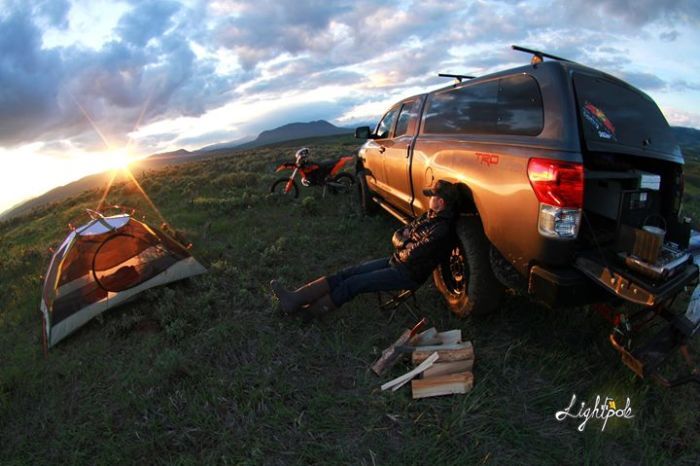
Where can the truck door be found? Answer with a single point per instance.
(375, 148)
(397, 155)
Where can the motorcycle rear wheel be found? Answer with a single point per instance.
(278, 188)
(347, 180)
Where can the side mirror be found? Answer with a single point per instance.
(363, 132)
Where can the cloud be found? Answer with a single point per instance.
(644, 81)
(683, 85)
(148, 20)
(634, 13)
(167, 59)
(669, 36)
(55, 11)
(146, 72)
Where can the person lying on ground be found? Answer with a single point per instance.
(420, 247)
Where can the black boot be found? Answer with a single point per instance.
(291, 301)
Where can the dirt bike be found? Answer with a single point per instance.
(325, 174)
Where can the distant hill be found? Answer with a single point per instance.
(689, 140)
(686, 136)
(295, 131)
(62, 192)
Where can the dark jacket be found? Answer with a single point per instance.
(424, 243)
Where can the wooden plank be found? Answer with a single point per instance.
(466, 352)
(409, 375)
(426, 337)
(452, 367)
(450, 336)
(442, 385)
(451, 346)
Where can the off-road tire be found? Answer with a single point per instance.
(367, 205)
(277, 188)
(465, 279)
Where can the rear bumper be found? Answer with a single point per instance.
(634, 288)
(563, 287)
(592, 282)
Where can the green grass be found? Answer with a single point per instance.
(205, 370)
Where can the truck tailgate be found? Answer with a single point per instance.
(632, 286)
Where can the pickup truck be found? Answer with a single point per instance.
(570, 192)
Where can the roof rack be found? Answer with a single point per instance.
(538, 56)
(458, 77)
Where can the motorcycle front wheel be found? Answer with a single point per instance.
(279, 188)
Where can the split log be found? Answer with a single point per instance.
(427, 337)
(399, 381)
(432, 337)
(451, 353)
(452, 367)
(450, 337)
(442, 385)
(451, 346)
(390, 356)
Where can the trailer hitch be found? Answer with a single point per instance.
(647, 359)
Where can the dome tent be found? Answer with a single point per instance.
(104, 263)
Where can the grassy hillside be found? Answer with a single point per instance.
(205, 370)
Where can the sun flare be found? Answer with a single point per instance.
(116, 159)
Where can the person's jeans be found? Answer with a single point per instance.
(374, 275)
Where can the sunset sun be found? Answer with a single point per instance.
(116, 159)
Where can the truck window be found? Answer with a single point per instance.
(511, 105)
(408, 113)
(384, 126)
(520, 108)
(616, 117)
(469, 109)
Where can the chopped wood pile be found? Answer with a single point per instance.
(443, 363)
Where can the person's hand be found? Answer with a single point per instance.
(398, 240)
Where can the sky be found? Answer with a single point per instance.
(86, 83)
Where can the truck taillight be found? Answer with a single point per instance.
(559, 188)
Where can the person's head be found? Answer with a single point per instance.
(441, 195)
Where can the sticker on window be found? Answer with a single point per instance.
(600, 122)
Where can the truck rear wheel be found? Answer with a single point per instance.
(367, 205)
(465, 279)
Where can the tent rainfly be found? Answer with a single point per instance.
(104, 263)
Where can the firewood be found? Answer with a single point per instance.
(427, 337)
(442, 385)
(432, 337)
(451, 346)
(453, 353)
(450, 337)
(452, 367)
(399, 381)
(390, 356)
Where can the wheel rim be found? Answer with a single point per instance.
(454, 272)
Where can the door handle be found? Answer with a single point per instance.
(382, 149)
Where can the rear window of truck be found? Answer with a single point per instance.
(616, 117)
(511, 105)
